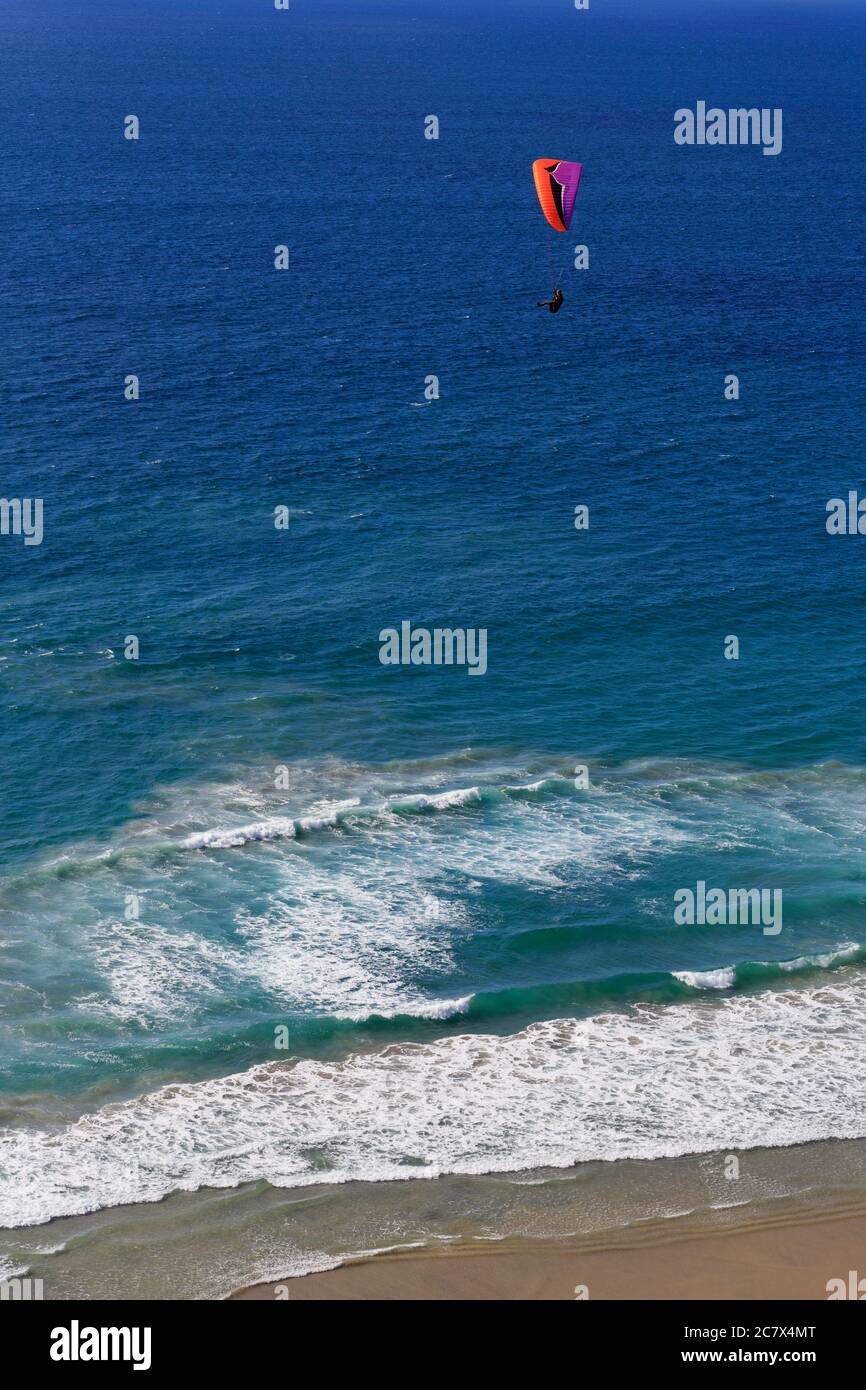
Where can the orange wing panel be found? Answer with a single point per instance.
(545, 194)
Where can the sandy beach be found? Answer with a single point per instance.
(784, 1262)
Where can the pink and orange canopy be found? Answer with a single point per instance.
(556, 182)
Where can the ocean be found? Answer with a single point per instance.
(282, 925)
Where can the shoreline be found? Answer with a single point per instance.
(786, 1223)
(788, 1261)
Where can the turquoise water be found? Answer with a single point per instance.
(475, 957)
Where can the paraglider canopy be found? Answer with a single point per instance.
(556, 182)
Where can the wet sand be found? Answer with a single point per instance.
(782, 1262)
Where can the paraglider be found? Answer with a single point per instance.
(556, 183)
(554, 304)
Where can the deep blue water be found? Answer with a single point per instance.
(393, 918)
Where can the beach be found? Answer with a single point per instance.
(777, 1223)
(793, 1221)
(785, 1262)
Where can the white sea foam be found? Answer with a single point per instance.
(724, 978)
(348, 922)
(151, 974)
(438, 801)
(285, 828)
(338, 943)
(422, 1008)
(526, 787)
(233, 837)
(349, 934)
(739, 1072)
(823, 960)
